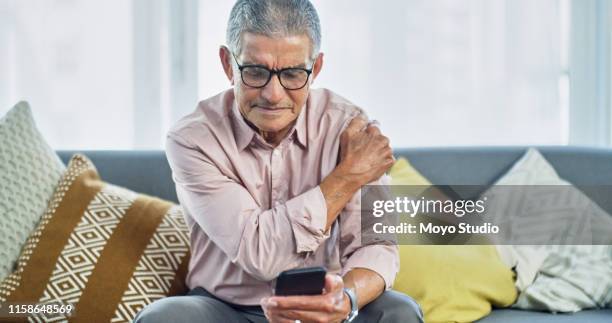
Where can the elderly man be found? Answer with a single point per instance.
(268, 174)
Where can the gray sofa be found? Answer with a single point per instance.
(148, 172)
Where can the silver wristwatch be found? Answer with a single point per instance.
(354, 308)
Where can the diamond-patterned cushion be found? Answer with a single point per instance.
(29, 172)
(104, 249)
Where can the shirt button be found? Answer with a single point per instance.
(276, 152)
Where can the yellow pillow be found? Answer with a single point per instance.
(452, 283)
(402, 173)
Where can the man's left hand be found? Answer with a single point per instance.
(331, 306)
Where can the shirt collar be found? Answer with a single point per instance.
(300, 128)
(244, 134)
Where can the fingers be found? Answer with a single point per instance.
(356, 125)
(276, 319)
(388, 163)
(383, 141)
(372, 129)
(365, 152)
(307, 303)
(319, 308)
(332, 296)
(387, 159)
(301, 302)
(333, 283)
(304, 316)
(272, 313)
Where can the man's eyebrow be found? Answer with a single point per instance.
(302, 65)
(250, 63)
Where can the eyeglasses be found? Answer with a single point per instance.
(258, 76)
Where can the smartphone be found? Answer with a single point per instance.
(301, 281)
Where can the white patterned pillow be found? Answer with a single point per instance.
(556, 278)
(101, 250)
(29, 172)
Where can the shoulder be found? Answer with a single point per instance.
(326, 101)
(331, 110)
(209, 117)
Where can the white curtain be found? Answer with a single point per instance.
(111, 74)
(444, 72)
(433, 72)
(72, 61)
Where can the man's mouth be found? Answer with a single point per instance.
(272, 109)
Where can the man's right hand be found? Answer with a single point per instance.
(365, 155)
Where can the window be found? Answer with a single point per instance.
(437, 73)
(72, 60)
(116, 74)
(100, 74)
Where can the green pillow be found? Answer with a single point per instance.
(29, 172)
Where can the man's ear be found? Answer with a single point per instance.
(318, 65)
(226, 60)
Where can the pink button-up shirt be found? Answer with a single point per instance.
(254, 210)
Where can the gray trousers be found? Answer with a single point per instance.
(200, 306)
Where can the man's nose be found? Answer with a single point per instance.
(273, 91)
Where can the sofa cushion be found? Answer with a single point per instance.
(520, 316)
(103, 249)
(557, 278)
(451, 283)
(29, 172)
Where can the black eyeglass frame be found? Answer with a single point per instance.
(271, 73)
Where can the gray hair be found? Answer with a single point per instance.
(273, 18)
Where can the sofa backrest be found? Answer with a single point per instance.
(148, 171)
(143, 171)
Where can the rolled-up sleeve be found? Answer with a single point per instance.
(308, 230)
(263, 242)
(380, 258)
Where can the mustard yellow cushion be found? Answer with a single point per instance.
(451, 283)
(402, 173)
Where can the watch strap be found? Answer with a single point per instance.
(354, 306)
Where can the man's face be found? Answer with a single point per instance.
(272, 108)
